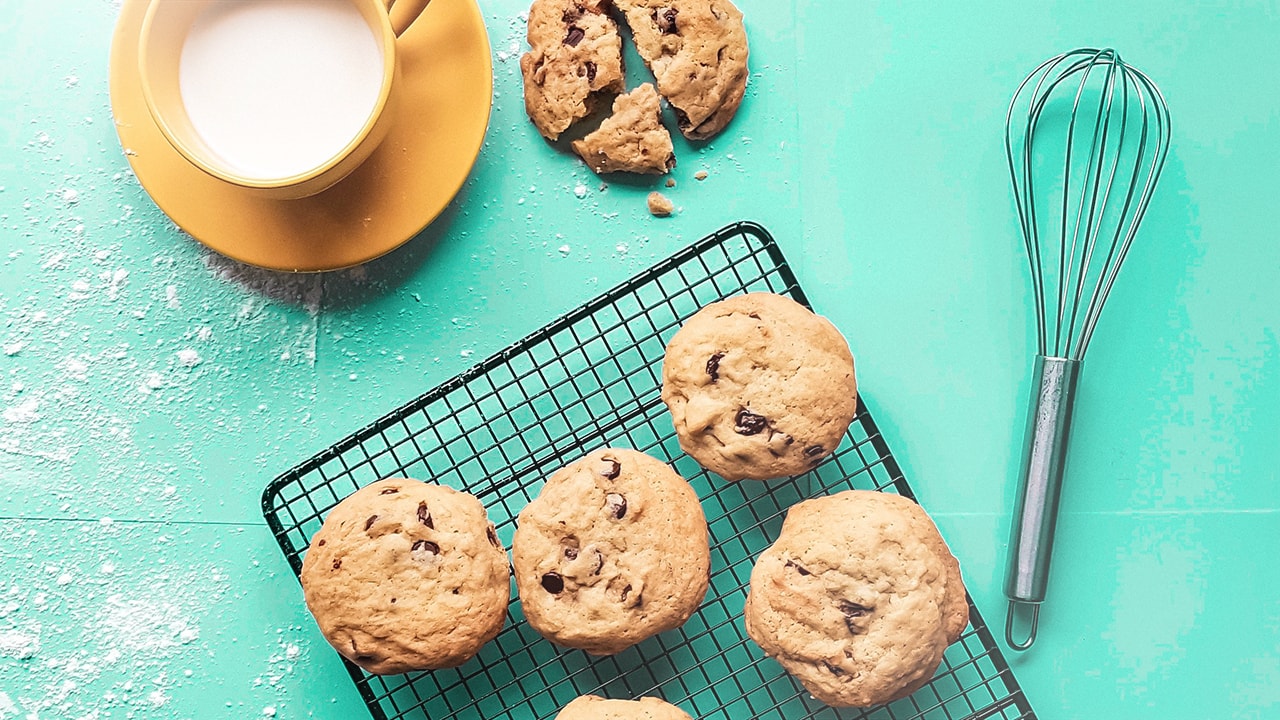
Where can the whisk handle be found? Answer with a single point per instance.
(1044, 456)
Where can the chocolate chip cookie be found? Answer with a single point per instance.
(858, 598)
(613, 550)
(405, 575)
(759, 387)
(592, 707)
(575, 58)
(697, 51)
(632, 139)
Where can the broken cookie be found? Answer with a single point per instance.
(575, 58)
(697, 51)
(632, 139)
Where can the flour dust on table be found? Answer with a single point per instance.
(100, 631)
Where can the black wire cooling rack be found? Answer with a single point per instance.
(588, 380)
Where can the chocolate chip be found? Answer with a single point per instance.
(616, 505)
(591, 71)
(389, 491)
(320, 543)
(749, 423)
(553, 583)
(814, 450)
(853, 611)
(599, 563)
(609, 468)
(424, 515)
(713, 364)
(625, 592)
(834, 670)
(571, 553)
(369, 523)
(799, 568)
(337, 563)
(665, 20)
(426, 546)
(575, 36)
(393, 601)
(493, 536)
(682, 119)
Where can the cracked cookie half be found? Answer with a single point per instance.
(697, 51)
(632, 139)
(575, 58)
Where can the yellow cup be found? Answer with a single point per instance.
(166, 28)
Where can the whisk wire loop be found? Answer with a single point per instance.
(1119, 118)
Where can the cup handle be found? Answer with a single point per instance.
(403, 13)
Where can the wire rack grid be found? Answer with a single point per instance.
(592, 379)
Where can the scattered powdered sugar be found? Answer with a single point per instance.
(188, 357)
(580, 190)
(150, 383)
(145, 625)
(157, 698)
(79, 290)
(115, 281)
(22, 412)
(20, 644)
(283, 661)
(123, 635)
(75, 368)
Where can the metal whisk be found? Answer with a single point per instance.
(1108, 125)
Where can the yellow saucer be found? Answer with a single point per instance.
(440, 122)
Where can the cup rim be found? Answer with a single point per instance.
(387, 43)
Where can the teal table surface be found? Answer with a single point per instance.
(150, 389)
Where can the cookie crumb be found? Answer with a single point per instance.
(659, 205)
(700, 175)
(671, 182)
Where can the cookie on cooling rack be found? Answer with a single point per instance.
(405, 575)
(575, 58)
(858, 598)
(612, 551)
(593, 707)
(759, 387)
